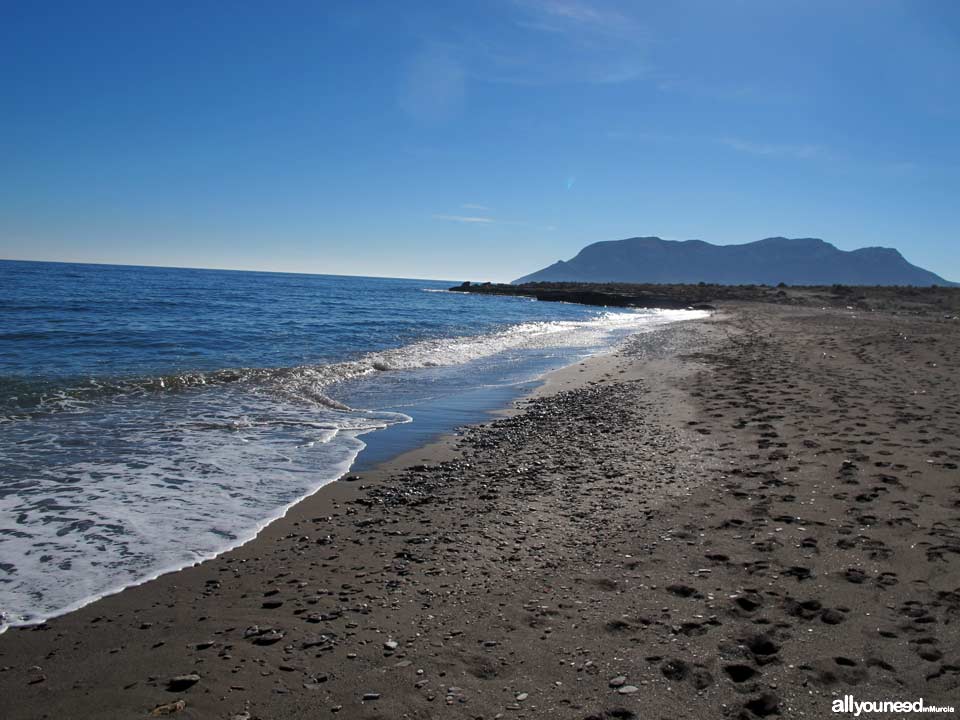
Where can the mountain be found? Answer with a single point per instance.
(794, 261)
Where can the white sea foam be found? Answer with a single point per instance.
(129, 492)
(117, 491)
(532, 335)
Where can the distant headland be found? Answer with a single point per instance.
(792, 261)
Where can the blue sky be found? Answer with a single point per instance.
(477, 140)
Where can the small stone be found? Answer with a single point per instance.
(268, 638)
(831, 616)
(618, 681)
(628, 689)
(371, 696)
(522, 696)
(169, 708)
(391, 644)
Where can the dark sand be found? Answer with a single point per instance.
(742, 517)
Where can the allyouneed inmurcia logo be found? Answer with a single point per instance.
(847, 704)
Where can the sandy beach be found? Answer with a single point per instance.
(747, 516)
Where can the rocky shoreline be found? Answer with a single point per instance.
(744, 517)
(705, 296)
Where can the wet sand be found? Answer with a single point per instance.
(743, 517)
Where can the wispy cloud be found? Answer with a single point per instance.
(776, 150)
(574, 11)
(474, 206)
(790, 151)
(548, 42)
(732, 89)
(464, 218)
(482, 220)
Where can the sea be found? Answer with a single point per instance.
(152, 418)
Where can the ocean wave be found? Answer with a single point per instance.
(118, 481)
(129, 490)
(305, 383)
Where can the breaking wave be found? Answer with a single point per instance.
(111, 482)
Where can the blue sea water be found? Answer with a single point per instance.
(154, 417)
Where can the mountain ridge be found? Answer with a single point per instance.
(772, 260)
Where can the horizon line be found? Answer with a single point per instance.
(223, 269)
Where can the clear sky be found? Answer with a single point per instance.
(472, 140)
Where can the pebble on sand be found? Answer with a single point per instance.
(169, 708)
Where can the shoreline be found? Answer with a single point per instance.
(584, 372)
(391, 463)
(723, 513)
(482, 411)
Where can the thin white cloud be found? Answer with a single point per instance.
(552, 42)
(577, 15)
(481, 220)
(464, 218)
(774, 150)
(474, 206)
